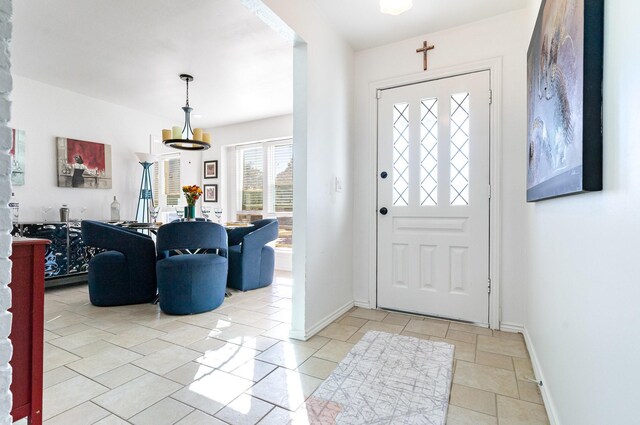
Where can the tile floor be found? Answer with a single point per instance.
(236, 365)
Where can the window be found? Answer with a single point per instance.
(265, 186)
(166, 180)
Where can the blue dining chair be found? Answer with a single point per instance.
(126, 272)
(192, 266)
(251, 260)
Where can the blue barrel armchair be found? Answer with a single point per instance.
(192, 266)
(251, 261)
(126, 272)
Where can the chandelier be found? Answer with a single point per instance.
(395, 7)
(186, 139)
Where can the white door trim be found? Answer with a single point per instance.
(494, 65)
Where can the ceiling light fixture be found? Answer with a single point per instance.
(187, 139)
(395, 7)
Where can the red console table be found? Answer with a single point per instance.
(27, 330)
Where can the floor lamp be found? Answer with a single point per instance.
(145, 200)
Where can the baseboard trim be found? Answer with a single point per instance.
(362, 304)
(511, 327)
(322, 324)
(537, 370)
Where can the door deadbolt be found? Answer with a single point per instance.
(384, 211)
(384, 174)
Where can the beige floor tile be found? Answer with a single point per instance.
(318, 368)
(244, 410)
(414, 334)
(62, 320)
(352, 321)
(151, 346)
(187, 334)
(207, 344)
(486, 378)
(529, 391)
(119, 376)
(55, 357)
(188, 373)
(516, 336)
(316, 342)
(437, 328)
(134, 336)
(68, 394)
(70, 330)
(254, 370)
(495, 360)
(464, 350)
(372, 325)
(397, 319)
(338, 331)
(199, 418)
(278, 416)
(356, 337)
(518, 412)
(85, 413)
(237, 333)
(473, 399)
(135, 396)
(165, 412)
(523, 367)
(282, 315)
(334, 351)
(228, 357)
(504, 346)
(463, 327)
(279, 332)
(285, 388)
(364, 313)
(57, 375)
(112, 420)
(461, 336)
(213, 391)
(104, 362)
(260, 343)
(49, 336)
(460, 416)
(166, 360)
(286, 355)
(98, 347)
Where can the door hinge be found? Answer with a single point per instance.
(378, 94)
(489, 191)
(489, 285)
(490, 96)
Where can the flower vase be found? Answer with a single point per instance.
(190, 212)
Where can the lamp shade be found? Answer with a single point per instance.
(395, 7)
(146, 157)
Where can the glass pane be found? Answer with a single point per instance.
(401, 154)
(459, 193)
(252, 182)
(281, 178)
(429, 152)
(172, 187)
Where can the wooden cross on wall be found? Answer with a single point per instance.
(424, 50)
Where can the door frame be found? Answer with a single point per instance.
(494, 66)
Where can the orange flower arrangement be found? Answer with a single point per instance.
(192, 193)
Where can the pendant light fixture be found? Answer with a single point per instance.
(395, 7)
(187, 139)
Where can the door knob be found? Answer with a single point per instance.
(384, 211)
(384, 174)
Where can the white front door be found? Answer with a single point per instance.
(433, 198)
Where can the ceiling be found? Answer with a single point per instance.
(363, 26)
(130, 53)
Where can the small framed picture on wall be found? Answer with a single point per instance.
(211, 192)
(211, 169)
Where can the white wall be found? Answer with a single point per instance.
(583, 317)
(46, 112)
(323, 79)
(502, 37)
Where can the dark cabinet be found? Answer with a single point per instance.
(66, 258)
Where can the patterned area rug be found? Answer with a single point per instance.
(386, 379)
